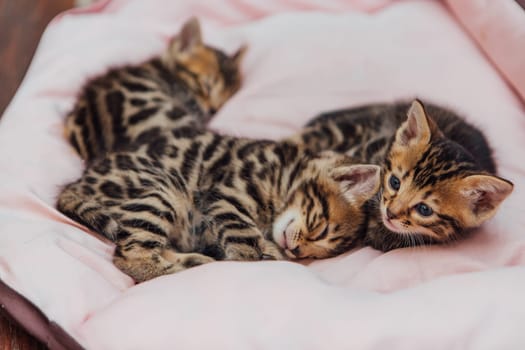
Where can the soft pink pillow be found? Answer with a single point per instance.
(305, 57)
(499, 29)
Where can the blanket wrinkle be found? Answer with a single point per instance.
(305, 57)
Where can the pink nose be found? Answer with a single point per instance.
(390, 215)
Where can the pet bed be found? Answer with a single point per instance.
(304, 57)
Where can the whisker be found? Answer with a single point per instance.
(422, 244)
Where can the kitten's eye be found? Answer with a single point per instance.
(424, 210)
(322, 234)
(205, 86)
(394, 182)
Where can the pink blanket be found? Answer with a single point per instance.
(304, 57)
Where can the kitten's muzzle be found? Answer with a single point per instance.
(390, 215)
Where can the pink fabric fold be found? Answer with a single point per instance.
(304, 57)
(499, 29)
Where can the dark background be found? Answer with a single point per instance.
(21, 25)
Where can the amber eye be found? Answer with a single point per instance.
(394, 182)
(423, 209)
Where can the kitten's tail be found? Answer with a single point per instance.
(86, 210)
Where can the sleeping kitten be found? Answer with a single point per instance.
(438, 171)
(182, 88)
(188, 199)
(172, 195)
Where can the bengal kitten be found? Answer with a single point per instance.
(172, 195)
(190, 198)
(182, 88)
(437, 170)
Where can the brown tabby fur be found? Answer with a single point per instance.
(437, 170)
(172, 195)
(182, 88)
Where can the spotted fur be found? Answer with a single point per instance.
(173, 195)
(182, 88)
(189, 199)
(438, 177)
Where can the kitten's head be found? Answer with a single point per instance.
(212, 75)
(325, 213)
(433, 189)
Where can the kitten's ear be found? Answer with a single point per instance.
(418, 128)
(238, 56)
(188, 38)
(484, 194)
(359, 182)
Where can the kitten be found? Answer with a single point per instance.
(182, 88)
(190, 198)
(172, 195)
(437, 170)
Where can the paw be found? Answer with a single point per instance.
(146, 268)
(242, 252)
(194, 259)
(186, 260)
(272, 252)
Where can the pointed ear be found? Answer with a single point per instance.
(359, 182)
(238, 56)
(484, 194)
(418, 128)
(188, 38)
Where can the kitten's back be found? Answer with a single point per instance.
(178, 89)
(381, 120)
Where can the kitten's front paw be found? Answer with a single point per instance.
(272, 252)
(242, 252)
(186, 260)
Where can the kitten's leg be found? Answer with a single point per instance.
(143, 262)
(239, 236)
(140, 226)
(76, 200)
(272, 251)
(247, 244)
(148, 224)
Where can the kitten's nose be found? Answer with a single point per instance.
(390, 215)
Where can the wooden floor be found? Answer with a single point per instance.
(21, 25)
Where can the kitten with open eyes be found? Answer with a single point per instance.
(438, 173)
(173, 195)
